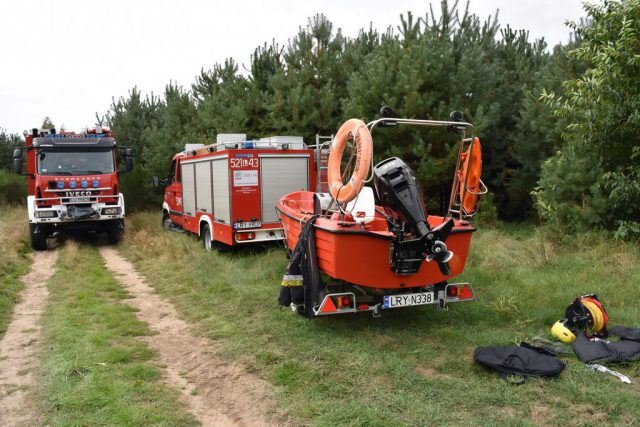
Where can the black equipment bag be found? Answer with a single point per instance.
(602, 351)
(626, 333)
(514, 360)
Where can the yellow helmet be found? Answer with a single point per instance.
(561, 332)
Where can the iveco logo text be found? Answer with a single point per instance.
(77, 193)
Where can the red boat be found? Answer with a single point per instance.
(382, 250)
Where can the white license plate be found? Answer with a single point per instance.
(247, 224)
(79, 199)
(406, 300)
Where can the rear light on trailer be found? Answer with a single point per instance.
(344, 301)
(243, 237)
(335, 303)
(462, 291)
(328, 306)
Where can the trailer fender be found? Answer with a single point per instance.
(207, 220)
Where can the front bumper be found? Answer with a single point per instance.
(68, 212)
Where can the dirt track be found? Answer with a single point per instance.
(20, 345)
(217, 393)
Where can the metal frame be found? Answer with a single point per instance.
(455, 199)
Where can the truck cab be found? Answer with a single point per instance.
(72, 183)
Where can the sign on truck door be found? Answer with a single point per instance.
(245, 184)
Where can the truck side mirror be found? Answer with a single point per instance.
(17, 161)
(128, 159)
(159, 182)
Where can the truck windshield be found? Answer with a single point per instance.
(75, 161)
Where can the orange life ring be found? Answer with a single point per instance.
(470, 173)
(340, 191)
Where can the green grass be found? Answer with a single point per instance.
(13, 189)
(95, 370)
(14, 259)
(412, 366)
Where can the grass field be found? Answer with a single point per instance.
(412, 366)
(94, 370)
(14, 259)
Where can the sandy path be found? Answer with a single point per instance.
(217, 393)
(19, 346)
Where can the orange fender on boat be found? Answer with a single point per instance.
(470, 174)
(358, 130)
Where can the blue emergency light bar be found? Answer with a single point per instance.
(89, 135)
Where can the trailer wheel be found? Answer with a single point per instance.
(166, 220)
(38, 237)
(206, 237)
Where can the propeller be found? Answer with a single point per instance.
(437, 248)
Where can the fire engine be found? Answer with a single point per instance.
(72, 183)
(227, 192)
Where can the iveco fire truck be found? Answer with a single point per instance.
(227, 192)
(72, 183)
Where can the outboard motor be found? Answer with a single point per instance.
(398, 189)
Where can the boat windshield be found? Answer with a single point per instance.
(75, 161)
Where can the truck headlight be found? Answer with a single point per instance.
(45, 214)
(111, 211)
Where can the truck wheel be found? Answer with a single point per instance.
(166, 221)
(115, 232)
(206, 237)
(114, 236)
(38, 237)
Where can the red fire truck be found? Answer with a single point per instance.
(227, 192)
(72, 183)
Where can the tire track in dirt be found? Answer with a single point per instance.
(20, 345)
(217, 393)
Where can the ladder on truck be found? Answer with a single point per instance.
(322, 162)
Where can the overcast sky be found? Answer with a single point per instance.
(67, 59)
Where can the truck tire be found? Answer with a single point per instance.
(115, 232)
(38, 237)
(206, 237)
(166, 220)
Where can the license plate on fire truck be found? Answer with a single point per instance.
(79, 199)
(406, 300)
(247, 224)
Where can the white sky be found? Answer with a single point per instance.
(67, 59)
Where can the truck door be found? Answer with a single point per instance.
(173, 193)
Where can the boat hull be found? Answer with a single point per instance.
(361, 255)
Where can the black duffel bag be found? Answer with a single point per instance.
(517, 363)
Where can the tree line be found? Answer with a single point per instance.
(558, 126)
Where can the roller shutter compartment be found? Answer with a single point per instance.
(280, 175)
(203, 187)
(188, 189)
(221, 205)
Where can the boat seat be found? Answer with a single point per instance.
(363, 207)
